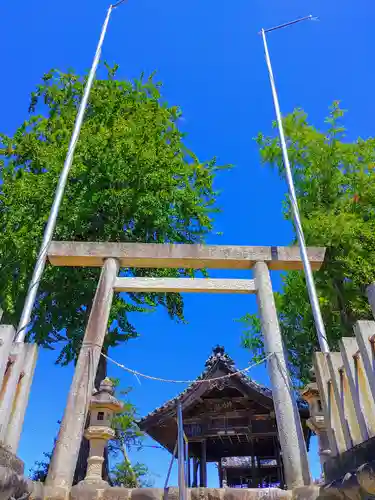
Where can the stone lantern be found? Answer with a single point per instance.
(102, 408)
(317, 422)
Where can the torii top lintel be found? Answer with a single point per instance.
(155, 255)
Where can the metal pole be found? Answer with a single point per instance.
(170, 467)
(319, 325)
(51, 224)
(181, 444)
(284, 25)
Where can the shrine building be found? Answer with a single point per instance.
(230, 422)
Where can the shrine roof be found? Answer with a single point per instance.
(218, 360)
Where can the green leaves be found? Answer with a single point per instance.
(128, 476)
(335, 186)
(132, 180)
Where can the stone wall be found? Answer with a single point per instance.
(85, 492)
(358, 486)
(9, 460)
(13, 484)
(351, 460)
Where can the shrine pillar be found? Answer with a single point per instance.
(220, 473)
(289, 426)
(188, 472)
(195, 472)
(254, 478)
(225, 478)
(203, 465)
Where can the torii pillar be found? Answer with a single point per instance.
(296, 465)
(65, 454)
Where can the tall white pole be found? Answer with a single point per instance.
(59, 193)
(319, 325)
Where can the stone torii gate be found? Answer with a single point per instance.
(113, 256)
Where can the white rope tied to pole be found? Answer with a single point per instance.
(202, 381)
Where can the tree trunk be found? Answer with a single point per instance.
(81, 467)
(346, 320)
(131, 470)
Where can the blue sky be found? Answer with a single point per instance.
(210, 58)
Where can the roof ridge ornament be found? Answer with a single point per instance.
(219, 354)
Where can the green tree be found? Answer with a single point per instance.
(133, 180)
(127, 436)
(138, 476)
(335, 187)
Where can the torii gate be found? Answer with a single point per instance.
(111, 257)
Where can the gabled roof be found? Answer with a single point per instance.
(219, 361)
